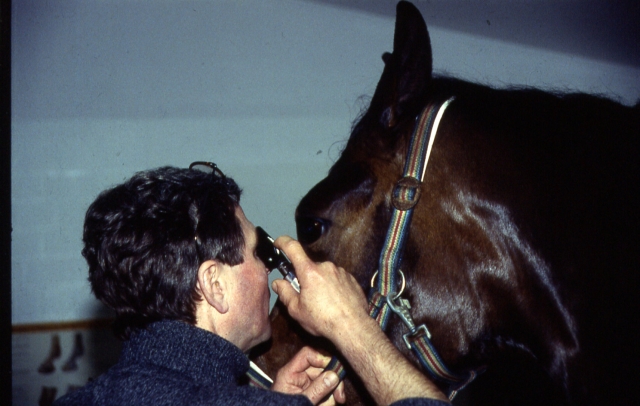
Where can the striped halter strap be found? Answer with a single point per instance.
(383, 298)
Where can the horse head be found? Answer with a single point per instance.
(498, 254)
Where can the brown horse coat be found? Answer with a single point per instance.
(523, 254)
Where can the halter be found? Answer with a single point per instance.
(383, 300)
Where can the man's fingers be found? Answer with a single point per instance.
(307, 360)
(315, 358)
(321, 387)
(339, 394)
(319, 361)
(286, 293)
(294, 251)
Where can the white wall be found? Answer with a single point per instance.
(267, 89)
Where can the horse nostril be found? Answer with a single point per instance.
(310, 229)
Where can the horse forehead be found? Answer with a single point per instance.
(346, 179)
(383, 167)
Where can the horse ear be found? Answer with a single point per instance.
(407, 70)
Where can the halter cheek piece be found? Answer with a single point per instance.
(383, 299)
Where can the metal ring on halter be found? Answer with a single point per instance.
(404, 283)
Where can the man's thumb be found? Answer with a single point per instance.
(283, 289)
(330, 379)
(322, 387)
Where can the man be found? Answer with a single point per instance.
(172, 253)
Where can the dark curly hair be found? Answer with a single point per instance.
(145, 239)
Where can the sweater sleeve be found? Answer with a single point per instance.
(251, 396)
(419, 402)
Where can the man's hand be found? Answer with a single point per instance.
(303, 375)
(332, 304)
(330, 299)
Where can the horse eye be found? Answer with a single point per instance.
(310, 229)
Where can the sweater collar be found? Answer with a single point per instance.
(195, 352)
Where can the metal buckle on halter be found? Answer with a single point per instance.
(399, 200)
(402, 310)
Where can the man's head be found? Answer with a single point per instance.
(236, 297)
(144, 241)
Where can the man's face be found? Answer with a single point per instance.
(249, 293)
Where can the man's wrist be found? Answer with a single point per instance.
(357, 329)
(380, 365)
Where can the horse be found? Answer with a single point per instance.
(522, 257)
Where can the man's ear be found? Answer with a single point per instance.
(211, 286)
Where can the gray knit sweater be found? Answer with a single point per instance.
(173, 363)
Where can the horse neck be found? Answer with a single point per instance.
(504, 291)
